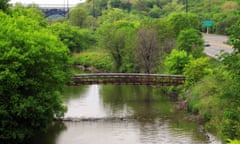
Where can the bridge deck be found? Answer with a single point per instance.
(128, 78)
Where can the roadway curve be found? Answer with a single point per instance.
(216, 45)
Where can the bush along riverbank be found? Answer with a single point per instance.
(214, 99)
(94, 61)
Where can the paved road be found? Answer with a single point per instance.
(217, 44)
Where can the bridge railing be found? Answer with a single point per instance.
(128, 78)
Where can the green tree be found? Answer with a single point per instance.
(230, 93)
(191, 41)
(155, 12)
(235, 36)
(78, 16)
(213, 6)
(166, 35)
(118, 39)
(32, 12)
(171, 7)
(74, 38)
(95, 7)
(141, 5)
(91, 22)
(182, 21)
(176, 61)
(4, 5)
(33, 69)
(115, 14)
(195, 70)
(224, 20)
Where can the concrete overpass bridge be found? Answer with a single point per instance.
(127, 78)
(55, 9)
(52, 10)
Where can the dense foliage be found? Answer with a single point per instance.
(75, 39)
(233, 142)
(176, 61)
(191, 41)
(32, 12)
(235, 36)
(78, 17)
(118, 39)
(94, 61)
(33, 65)
(230, 93)
(196, 69)
(183, 21)
(151, 36)
(4, 5)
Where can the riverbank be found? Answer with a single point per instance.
(208, 102)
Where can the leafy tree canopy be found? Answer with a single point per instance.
(182, 21)
(176, 61)
(191, 41)
(115, 14)
(118, 38)
(33, 65)
(196, 69)
(235, 36)
(4, 5)
(74, 38)
(32, 12)
(78, 16)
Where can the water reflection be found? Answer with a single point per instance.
(84, 104)
(51, 136)
(143, 116)
(157, 119)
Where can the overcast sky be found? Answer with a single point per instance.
(46, 1)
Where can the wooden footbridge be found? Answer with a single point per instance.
(127, 78)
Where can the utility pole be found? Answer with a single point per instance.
(66, 8)
(68, 12)
(93, 7)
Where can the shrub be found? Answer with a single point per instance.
(176, 61)
(191, 41)
(100, 60)
(195, 70)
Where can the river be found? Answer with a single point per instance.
(120, 114)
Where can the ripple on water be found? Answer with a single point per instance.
(89, 120)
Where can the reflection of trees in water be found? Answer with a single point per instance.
(70, 92)
(151, 109)
(51, 135)
(145, 102)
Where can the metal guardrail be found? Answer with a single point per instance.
(128, 78)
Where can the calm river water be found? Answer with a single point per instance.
(118, 114)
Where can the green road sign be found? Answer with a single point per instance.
(208, 23)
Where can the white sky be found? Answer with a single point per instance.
(72, 2)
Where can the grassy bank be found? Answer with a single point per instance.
(93, 61)
(211, 98)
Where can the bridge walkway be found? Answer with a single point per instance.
(127, 78)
